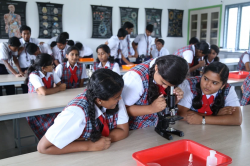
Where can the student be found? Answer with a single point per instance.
(63, 34)
(104, 60)
(127, 50)
(160, 50)
(8, 50)
(142, 43)
(115, 46)
(243, 64)
(59, 51)
(53, 44)
(212, 55)
(190, 52)
(193, 41)
(70, 43)
(153, 46)
(145, 84)
(85, 51)
(40, 80)
(245, 100)
(209, 99)
(34, 50)
(72, 73)
(24, 57)
(80, 127)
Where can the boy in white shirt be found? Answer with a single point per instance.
(59, 51)
(7, 52)
(64, 34)
(85, 51)
(160, 50)
(35, 50)
(153, 46)
(115, 46)
(142, 43)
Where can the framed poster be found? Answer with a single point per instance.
(12, 15)
(153, 16)
(130, 15)
(175, 18)
(102, 21)
(50, 19)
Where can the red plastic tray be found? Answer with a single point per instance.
(177, 154)
(242, 75)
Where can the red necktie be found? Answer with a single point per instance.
(105, 130)
(73, 75)
(147, 46)
(62, 58)
(206, 105)
(47, 83)
(161, 90)
(128, 46)
(106, 67)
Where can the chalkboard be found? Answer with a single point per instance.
(12, 15)
(153, 16)
(50, 19)
(175, 18)
(102, 21)
(130, 15)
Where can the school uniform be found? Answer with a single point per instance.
(86, 52)
(52, 39)
(112, 66)
(188, 53)
(244, 58)
(135, 92)
(71, 77)
(115, 46)
(39, 124)
(127, 49)
(155, 53)
(74, 122)
(59, 54)
(153, 46)
(6, 54)
(143, 48)
(189, 89)
(245, 100)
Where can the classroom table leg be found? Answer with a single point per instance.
(14, 129)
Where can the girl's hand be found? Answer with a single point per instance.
(179, 94)
(242, 88)
(202, 63)
(62, 87)
(102, 144)
(226, 110)
(158, 104)
(193, 118)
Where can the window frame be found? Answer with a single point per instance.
(238, 26)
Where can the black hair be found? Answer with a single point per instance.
(171, 68)
(71, 43)
(53, 44)
(61, 39)
(193, 40)
(219, 102)
(65, 35)
(25, 28)
(215, 48)
(71, 49)
(150, 27)
(203, 46)
(107, 50)
(14, 42)
(161, 41)
(103, 84)
(31, 48)
(79, 45)
(156, 38)
(122, 32)
(42, 60)
(128, 25)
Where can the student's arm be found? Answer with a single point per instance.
(13, 71)
(126, 61)
(201, 64)
(135, 45)
(44, 91)
(56, 62)
(81, 83)
(17, 65)
(247, 66)
(119, 133)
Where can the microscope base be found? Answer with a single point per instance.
(167, 133)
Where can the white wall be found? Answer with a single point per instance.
(78, 23)
(203, 3)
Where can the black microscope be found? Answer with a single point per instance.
(169, 117)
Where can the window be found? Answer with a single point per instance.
(237, 26)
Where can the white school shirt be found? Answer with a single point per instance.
(57, 53)
(52, 39)
(153, 46)
(70, 123)
(6, 53)
(114, 45)
(188, 55)
(209, 62)
(231, 99)
(133, 87)
(37, 81)
(23, 61)
(44, 48)
(116, 67)
(141, 39)
(59, 70)
(245, 58)
(155, 53)
(125, 43)
(85, 51)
